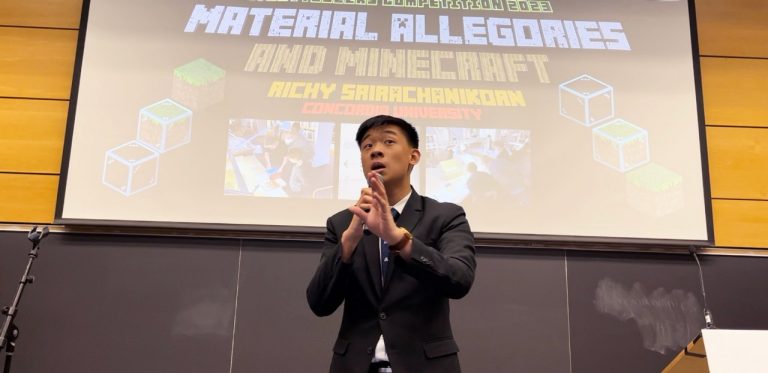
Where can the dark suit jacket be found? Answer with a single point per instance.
(411, 309)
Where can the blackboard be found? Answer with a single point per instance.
(159, 304)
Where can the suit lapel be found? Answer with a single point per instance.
(408, 219)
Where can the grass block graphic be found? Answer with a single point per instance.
(586, 100)
(654, 190)
(165, 125)
(620, 145)
(131, 168)
(198, 84)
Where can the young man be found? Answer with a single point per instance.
(394, 271)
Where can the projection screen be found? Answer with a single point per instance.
(541, 118)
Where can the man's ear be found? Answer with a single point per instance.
(415, 157)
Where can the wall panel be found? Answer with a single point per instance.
(732, 27)
(27, 198)
(36, 62)
(32, 135)
(41, 13)
(735, 91)
(738, 159)
(740, 223)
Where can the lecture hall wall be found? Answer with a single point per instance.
(37, 53)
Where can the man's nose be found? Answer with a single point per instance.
(376, 150)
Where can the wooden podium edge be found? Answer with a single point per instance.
(693, 350)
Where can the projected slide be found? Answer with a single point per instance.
(554, 118)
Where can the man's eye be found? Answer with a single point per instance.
(366, 146)
(389, 142)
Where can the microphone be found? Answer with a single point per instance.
(709, 322)
(378, 176)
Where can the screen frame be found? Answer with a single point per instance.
(496, 238)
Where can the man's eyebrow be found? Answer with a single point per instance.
(386, 131)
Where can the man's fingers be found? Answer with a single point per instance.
(380, 202)
(375, 182)
(365, 203)
(359, 213)
(365, 200)
(365, 192)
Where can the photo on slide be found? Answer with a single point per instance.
(279, 158)
(478, 168)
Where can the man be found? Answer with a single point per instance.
(297, 178)
(395, 275)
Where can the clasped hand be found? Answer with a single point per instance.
(372, 211)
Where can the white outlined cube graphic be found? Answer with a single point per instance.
(654, 190)
(586, 100)
(131, 168)
(165, 125)
(620, 145)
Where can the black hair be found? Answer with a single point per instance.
(382, 120)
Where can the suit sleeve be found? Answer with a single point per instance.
(449, 266)
(327, 288)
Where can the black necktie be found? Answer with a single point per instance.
(385, 250)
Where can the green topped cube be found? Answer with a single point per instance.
(199, 84)
(199, 72)
(654, 190)
(166, 110)
(620, 145)
(164, 125)
(621, 130)
(655, 178)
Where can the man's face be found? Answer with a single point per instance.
(385, 150)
